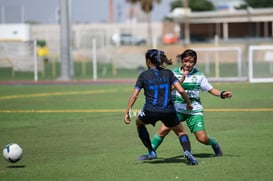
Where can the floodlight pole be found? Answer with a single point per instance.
(35, 61)
(66, 63)
(95, 74)
(3, 14)
(186, 22)
(111, 11)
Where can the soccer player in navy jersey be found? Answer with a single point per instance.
(193, 81)
(157, 83)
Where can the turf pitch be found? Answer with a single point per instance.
(76, 132)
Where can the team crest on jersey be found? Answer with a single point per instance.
(194, 79)
(142, 114)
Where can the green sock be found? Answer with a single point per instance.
(212, 141)
(156, 141)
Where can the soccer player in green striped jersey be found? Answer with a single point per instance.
(193, 81)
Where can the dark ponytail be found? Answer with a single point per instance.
(157, 57)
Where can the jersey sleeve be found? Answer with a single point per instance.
(174, 79)
(139, 83)
(205, 85)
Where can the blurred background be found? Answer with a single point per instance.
(93, 40)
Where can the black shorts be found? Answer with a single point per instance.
(169, 119)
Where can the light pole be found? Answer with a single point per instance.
(186, 22)
(111, 11)
(66, 62)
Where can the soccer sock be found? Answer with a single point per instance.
(185, 142)
(144, 137)
(212, 141)
(156, 141)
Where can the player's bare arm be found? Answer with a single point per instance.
(131, 102)
(184, 74)
(181, 91)
(221, 94)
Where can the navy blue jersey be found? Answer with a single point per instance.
(157, 89)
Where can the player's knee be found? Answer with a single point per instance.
(202, 139)
(163, 132)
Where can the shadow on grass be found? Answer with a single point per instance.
(203, 155)
(175, 159)
(207, 155)
(181, 159)
(16, 166)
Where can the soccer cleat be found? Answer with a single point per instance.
(152, 155)
(143, 157)
(217, 150)
(190, 158)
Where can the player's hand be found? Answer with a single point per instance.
(127, 118)
(189, 107)
(227, 94)
(181, 80)
(185, 72)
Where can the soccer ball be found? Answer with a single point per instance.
(12, 152)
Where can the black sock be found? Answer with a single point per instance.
(185, 142)
(145, 138)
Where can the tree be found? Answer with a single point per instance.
(176, 4)
(201, 5)
(259, 4)
(255, 4)
(147, 7)
(194, 5)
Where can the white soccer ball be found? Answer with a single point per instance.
(12, 152)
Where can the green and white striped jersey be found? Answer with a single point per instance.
(194, 82)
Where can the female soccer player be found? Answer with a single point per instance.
(193, 81)
(157, 83)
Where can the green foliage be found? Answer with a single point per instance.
(175, 4)
(194, 5)
(79, 134)
(146, 5)
(132, 1)
(201, 5)
(259, 4)
(82, 71)
(41, 43)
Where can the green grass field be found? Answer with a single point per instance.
(76, 132)
(105, 71)
(81, 71)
